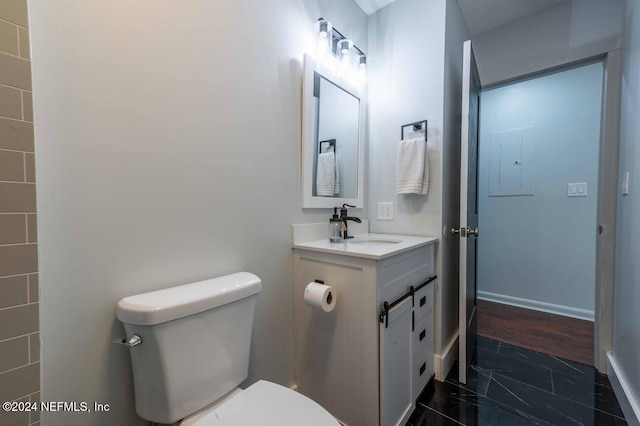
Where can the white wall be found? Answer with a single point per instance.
(571, 31)
(406, 74)
(411, 78)
(406, 77)
(626, 347)
(541, 248)
(168, 140)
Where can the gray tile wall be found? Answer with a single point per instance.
(19, 291)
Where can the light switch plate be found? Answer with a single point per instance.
(385, 211)
(578, 189)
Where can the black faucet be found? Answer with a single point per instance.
(345, 218)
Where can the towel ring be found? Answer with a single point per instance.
(417, 125)
(332, 144)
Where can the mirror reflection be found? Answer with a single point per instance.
(335, 140)
(333, 116)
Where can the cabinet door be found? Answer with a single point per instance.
(396, 393)
(336, 360)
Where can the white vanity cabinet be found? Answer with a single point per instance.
(364, 364)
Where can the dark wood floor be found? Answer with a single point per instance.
(556, 335)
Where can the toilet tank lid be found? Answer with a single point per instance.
(177, 302)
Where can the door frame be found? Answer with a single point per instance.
(608, 161)
(607, 209)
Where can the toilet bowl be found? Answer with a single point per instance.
(189, 351)
(263, 403)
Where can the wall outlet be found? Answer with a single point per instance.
(385, 211)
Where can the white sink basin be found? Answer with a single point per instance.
(375, 242)
(368, 246)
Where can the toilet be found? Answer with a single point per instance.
(189, 349)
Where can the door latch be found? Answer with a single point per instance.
(461, 232)
(465, 232)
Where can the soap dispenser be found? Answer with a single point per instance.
(335, 227)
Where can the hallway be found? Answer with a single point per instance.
(564, 337)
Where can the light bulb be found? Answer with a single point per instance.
(344, 49)
(324, 36)
(362, 69)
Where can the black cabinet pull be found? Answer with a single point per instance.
(423, 333)
(422, 368)
(423, 300)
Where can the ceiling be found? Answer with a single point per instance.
(480, 15)
(371, 6)
(483, 15)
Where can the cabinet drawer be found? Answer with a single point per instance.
(422, 369)
(424, 301)
(400, 272)
(423, 334)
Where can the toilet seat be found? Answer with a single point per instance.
(267, 404)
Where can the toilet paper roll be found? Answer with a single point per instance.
(320, 296)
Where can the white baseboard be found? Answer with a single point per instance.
(628, 401)
(550, 308)
(442, 363)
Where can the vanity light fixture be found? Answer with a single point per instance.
(332, 46)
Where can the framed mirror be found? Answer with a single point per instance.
(332, 138)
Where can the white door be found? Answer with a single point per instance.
(468, 230)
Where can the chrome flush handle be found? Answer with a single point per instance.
(131, 342)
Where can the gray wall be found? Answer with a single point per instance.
(19, 337)
(541, 248)
(455, 35)
(168, 148)
(565, 33)
(626, 348)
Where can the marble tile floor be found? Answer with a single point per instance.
(508, 385)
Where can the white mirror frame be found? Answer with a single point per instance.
(311, 65)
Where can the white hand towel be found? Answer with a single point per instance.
(413, 167)
(326, 174)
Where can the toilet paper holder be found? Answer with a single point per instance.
(330, 296)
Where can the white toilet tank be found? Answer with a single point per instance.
(196, 340)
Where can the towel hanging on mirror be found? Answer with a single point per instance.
(326, 174)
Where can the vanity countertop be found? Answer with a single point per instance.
(364, 245)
